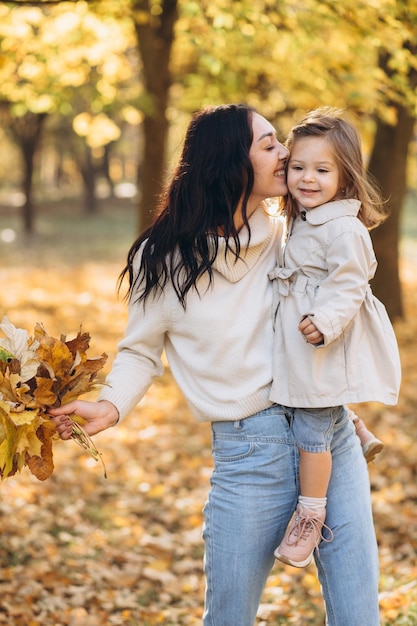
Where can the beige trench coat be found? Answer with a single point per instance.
(327, 263)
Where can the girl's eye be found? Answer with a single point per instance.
(322, 171)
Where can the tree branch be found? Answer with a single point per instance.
(37, 3)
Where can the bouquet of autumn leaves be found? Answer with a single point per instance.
(36, 374)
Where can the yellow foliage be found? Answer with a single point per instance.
(59, 371)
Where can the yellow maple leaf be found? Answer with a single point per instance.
(22, 417)
(6, 388)
(56, 355)
(7, 443)
(28, 441)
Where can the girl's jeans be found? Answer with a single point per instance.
(253, 496)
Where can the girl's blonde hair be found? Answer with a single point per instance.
(355, 181)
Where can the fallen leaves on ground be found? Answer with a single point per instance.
(77, 550)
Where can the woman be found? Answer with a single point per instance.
(199, 289)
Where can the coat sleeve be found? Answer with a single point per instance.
(351, 264)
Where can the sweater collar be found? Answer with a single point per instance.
(261, 231)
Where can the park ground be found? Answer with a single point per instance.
(83, 550)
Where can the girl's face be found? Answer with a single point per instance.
(268, 157)
(313, 176)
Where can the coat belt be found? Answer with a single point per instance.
(287, 277)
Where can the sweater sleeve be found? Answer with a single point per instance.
(351, 264)
(138, 359)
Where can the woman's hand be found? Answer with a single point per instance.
(310, 331)
(97, 415)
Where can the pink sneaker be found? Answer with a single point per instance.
(302, 537)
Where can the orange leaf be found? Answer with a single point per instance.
(44, 393)
(43, 466)
(79, 344)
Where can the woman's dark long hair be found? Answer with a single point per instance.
(213, 175)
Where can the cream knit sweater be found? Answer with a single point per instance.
(220, 348)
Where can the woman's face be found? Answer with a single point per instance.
(268, 157)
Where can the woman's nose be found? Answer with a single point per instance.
(283, 152)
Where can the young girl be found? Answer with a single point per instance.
(334, 343)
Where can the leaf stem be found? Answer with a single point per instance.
(84, 441)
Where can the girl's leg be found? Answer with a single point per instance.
(371, 446)
(348, 566)
(313, 431)
(315, 470)
(253, 495)
(305, 531)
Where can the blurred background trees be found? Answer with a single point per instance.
(95, 95)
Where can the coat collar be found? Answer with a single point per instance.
(332, 210)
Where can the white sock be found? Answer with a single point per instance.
(315, 504)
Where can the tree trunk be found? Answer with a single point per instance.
(155, 34)
(27, 132)
(388, 164)
(28, 153)
(106, 168)
(88, 174)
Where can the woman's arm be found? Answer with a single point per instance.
(137, 363)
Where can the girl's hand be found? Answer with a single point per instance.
(98, 416)
(310, 331)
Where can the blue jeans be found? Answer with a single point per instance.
(313, 428)
(254, 491)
